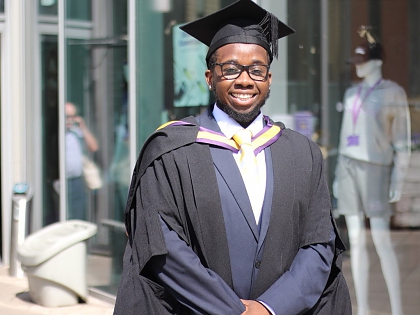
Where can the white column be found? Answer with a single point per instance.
(15, 35)
(13, 112)
(32, 127)
(61, 101)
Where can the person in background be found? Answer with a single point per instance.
(78, 140)
(224, 225)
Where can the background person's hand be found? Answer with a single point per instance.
(79, 121)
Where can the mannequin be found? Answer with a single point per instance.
(374, 151)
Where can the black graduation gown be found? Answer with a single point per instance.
(174, 178)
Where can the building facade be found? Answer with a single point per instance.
(127, 68)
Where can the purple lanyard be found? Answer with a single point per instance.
(357, 106)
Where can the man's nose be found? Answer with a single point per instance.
(244, 79)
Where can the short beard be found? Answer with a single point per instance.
(244, 119)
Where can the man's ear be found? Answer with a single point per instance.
(209, 78)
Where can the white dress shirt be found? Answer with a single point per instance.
(229, 127)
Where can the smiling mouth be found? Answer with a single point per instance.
(242, 97)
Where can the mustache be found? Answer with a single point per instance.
(241, 118)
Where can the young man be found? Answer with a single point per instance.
(214, 230)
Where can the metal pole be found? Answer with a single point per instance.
(61, 109)
(18, 235)
(325, 128)
(132, 85)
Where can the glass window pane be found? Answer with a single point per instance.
(80, 138)
(97, 86)
(49, 107)
(80, 10)
(179, 87)
(48, 7)
(75, 9)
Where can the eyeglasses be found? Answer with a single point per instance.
(231, 71)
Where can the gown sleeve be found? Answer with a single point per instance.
(198, 288)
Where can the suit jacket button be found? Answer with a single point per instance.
(257, 264)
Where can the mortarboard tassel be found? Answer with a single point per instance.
(270, 26)
(274, 35)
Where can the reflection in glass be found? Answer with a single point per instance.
(48, 7)
(96, 82)
(50, 165)
(374, 153)
(80, 169)
(79, 10)
(75, 9)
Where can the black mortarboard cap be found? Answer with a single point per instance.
(241, 22)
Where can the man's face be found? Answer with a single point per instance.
(71, 113)
(240, 98)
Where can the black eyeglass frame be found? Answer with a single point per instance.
(242, 67)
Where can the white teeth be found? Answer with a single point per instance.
(242, 96)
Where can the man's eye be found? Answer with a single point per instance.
(230, 70)
(257, 71)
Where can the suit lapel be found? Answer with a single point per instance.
(225, 164)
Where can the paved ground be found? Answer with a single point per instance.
(14, 300)
(407, 246)
(14, 296)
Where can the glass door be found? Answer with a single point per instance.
(96, 128)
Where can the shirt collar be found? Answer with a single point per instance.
(229, 126)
